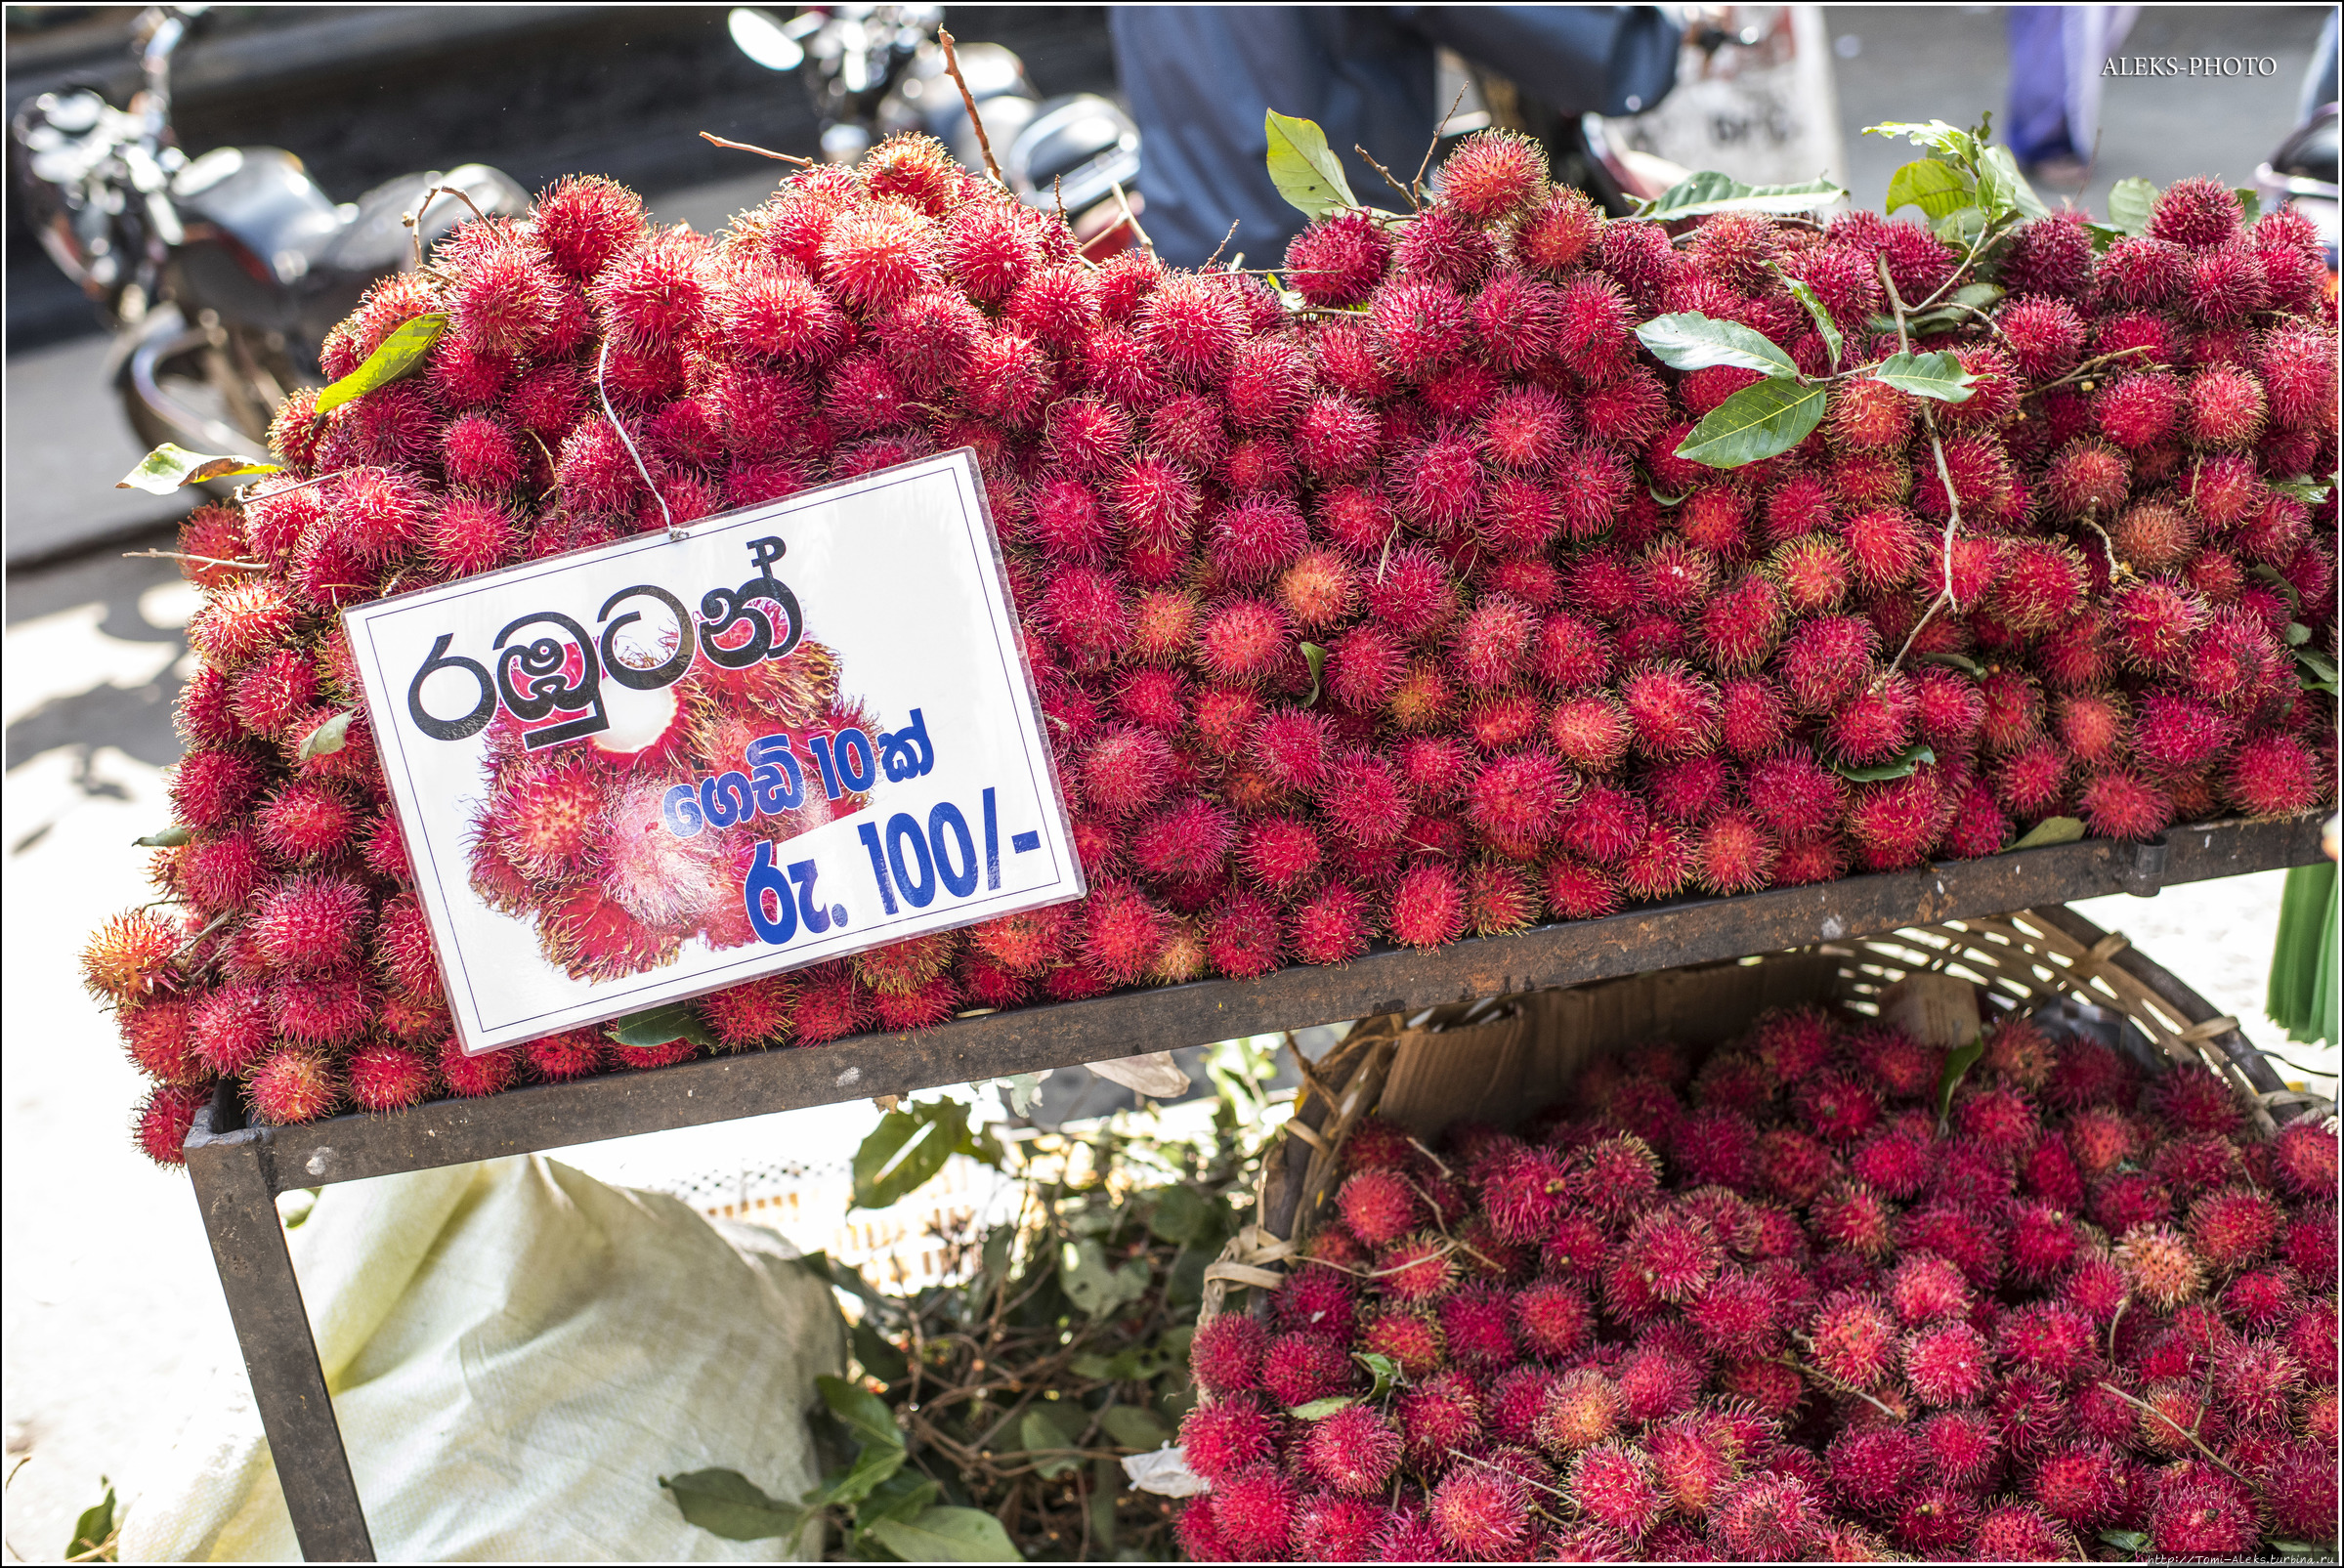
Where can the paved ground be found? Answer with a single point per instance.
(108, 1313)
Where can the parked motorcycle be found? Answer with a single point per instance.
(871, 71)
(220, 275)
(2303, 174)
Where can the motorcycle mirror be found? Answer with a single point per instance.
(760, 35)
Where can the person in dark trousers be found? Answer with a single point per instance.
(1199, 77)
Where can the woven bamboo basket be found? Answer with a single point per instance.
(1502, 1059)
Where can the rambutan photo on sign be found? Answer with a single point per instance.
(634, 773)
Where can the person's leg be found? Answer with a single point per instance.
(2036, 122)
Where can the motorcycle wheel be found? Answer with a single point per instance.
(170, 396)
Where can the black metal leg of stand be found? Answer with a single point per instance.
(272, 1330)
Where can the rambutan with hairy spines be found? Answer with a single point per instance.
(1871, 1468)
(891, 1011)
(2138, 409)
(2222, 408)
(2233, 1227)
(160, 1125)
(1427, 908)
(2202, 1520)
(390, 1078)
(2224, 284)
(1122, 930)
(1333, 926)
(2272, 774)
(2163, 1269)
(1770, 1517)
(1227, 1437)
(1851, 1216)
(293, 1085)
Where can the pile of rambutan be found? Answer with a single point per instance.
(1368, 602)
(1763, 1305)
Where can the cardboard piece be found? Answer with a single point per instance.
(1506, 1070)
(1933, 1007)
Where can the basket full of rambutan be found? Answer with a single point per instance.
(1491, 563)
(1770, 1277)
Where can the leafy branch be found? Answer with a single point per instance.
(1776, 413)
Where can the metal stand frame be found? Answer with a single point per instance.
(239, 1171)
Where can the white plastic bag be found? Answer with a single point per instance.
(517, 1353)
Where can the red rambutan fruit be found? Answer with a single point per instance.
(293, 1084)
(2233, 1227)
(1769, 1517)
(163, 1119)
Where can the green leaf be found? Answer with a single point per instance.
(948, 1535)
(1711, 191)
(170, 837)
(1094, 1286)
(2318, 669)
(845, 1277)
(1825, 324)
(1962, 226)
(865, 1413)
(1304, 170)
(1960, 662)
(2002, 189)
(2250, 205)
(2297, 634)
(96, 1524)
(167, 468)
(1932, 184)
(1318, 1410)
(1958, 1063)
(2310, 491)
(2050, 830)
(1020, 1089)
(1895, 767)
(1316, 657)
(2130, 201)
(1692, 341)
(1040, 1433)
(656, 1026)
(1180, 1215)
(1133, 1427)
(1951, 140)
(1382, 1368)
(726, 1503)
(874, 1465)
(399, 354)
(328, 738)
(905, 1494)
(878, 1357)
(2320, 1551)
(904, 1150)
(1758, 422)
(2125, 1539)
(1927, 375)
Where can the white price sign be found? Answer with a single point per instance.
(651, 769)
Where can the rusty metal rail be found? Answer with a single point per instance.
(239, 1171)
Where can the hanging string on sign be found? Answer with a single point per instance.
(602, 364)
